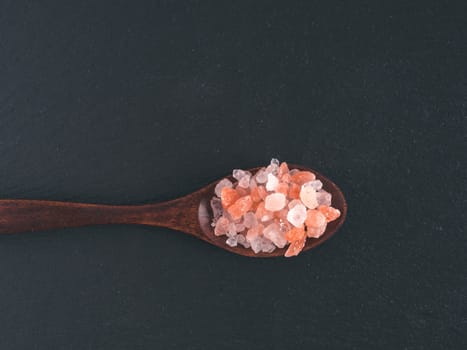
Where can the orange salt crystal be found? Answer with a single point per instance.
(285, 178)
(254, 193)
(329, 212)
(262, 192)
(242, 191)
(228, 196)
(240, 207)
(295, 247)
(282, 188)
(301, 177)
(314, 218)
(295, 233)
(294, 191)
(262, 212)
(283, 169)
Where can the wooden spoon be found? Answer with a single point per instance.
(190, 214)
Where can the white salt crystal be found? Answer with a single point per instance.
(323, 198)
(242, 241)
(297, 215)
(239, 173)
(250, 220)
(256, 244)
(294, 202)
(272, 182)
(275, 162)
(223, 183)
(267, 246)
(232, 230)
(231, 241)
(261, 176)
(273, 233)
(216, 206)
(274, 202)
(308, 196)
(315, 184)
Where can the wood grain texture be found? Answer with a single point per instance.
(190, 214)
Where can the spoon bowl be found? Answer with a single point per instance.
(205, 216)
(191, 214)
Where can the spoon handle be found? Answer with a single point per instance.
(20, 215)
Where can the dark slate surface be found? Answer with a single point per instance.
(124, 102)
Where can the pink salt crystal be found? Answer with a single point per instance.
(282, 215)
(239, 227)
(283, 188)
(323, 198)
(261, 176)
(315, 232)
(254, 232)
(222, 226)
(273, 233)
(293, 171)
(249, 220)
(272, 182)
(293, 203)
(274, 202)
(285, 178)
(262, 214)
(262, 192)
(308, 196)
(297, 215)
(242, 191)
(244, 182)
(221, 184)
(315, 218)
(253, 183)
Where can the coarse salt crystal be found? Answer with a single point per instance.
(315, 184)
(293, 203)
(323, 198)
(223, 183)
(297, 215)
(308, 196)
(238, 174)
(261, 176)
(244, 182)
(231, 241)
(274, 233)
(272, 182)
(275, 202)
(249, 220)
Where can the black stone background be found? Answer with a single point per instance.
(135, 102)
